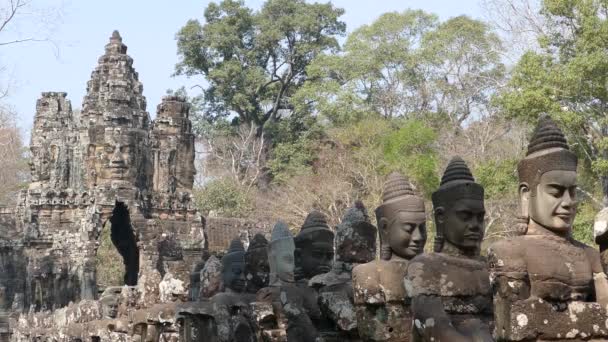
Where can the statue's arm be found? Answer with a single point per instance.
(433, 324)
(600, 280)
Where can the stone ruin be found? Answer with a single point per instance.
(108, 163)
(110, 170)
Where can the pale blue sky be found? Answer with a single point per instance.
(148, 28)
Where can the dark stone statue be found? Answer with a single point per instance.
(450, 288)
(284, 311)
(314, 247)
(355, 244)
(257, 270)
(379, 295)
(548, 286)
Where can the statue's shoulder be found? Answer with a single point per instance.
(366, 283)
(446, 275)
(509, 254)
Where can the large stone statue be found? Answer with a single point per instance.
(257, 270)
(450, 289)
(382, 313)
(548, 286)
(314, 247)
(285, 312)
(355, 244)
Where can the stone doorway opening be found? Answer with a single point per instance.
(118, 241)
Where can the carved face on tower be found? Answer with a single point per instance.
(459, 209)
(314, 246)
(233, 267)
(281, 255)
(40, 164)
(401, 219)
(257, 270)
(547, 178)
(116, 158)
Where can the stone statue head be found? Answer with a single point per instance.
(547, 179)
(281, 255)
(314, 246)
(110, 300)
(116, 158)
(401, 219)
(257, 270)
(356, 236)
(459, 209)
(40, 163)
(233, 267)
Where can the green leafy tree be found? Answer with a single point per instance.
(567, 79)
(408, 65)
(253, 61)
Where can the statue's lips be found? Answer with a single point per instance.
(472, 236)
(565, 217)
(324, 269)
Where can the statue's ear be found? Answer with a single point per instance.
(439, 216)
(383, 228)
(524, 199)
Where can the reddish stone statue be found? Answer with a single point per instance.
(379, 295)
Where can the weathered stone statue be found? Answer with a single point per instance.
(211, 278)
(548, 286)
(283, 311)
(314, 247)
(257, 270)
(450, 289)
(355, 244)
(382, 312)
(225, 316)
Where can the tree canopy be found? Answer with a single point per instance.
(254, 61)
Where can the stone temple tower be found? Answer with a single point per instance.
(107, 164)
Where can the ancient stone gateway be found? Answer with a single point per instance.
(107, 163)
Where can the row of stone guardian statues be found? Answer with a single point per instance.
(541, 285)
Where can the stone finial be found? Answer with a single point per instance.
(547, 135)
(398, 195)
(548, 150)
(116, 36)
(457, 183)
(456, 171)
(315, 221)
(396, 186)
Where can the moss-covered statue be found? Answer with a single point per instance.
(379, 294)
(450, 288)
(548, 286)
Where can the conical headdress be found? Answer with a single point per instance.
(548, 150)
(236, 252)
(398, 195)
(315, 227)
(457, 183)
(355, 236)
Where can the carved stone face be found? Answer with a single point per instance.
(554, 206)
(233, 275)
(462, 224)
(109, 306)
(256, 267)
(316, 254)
(281, 260)
(40, 164)
(116, 158)
(405, 233)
